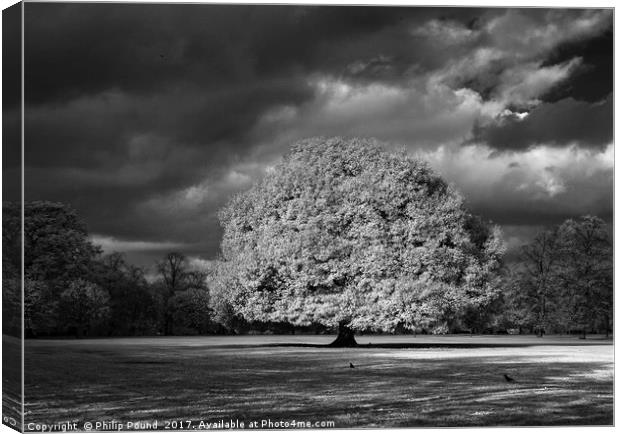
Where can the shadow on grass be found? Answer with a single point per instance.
(431, 392)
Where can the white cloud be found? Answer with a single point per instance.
(111, 244)
(524, 35)
(418, 113)
(200, 264)
(195, 194)
(236, 178)
(280, 113)
(542, 173)
(524, 83)
(445, 31)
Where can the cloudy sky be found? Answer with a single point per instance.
(147, 118)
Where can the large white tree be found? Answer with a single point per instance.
(345, 233)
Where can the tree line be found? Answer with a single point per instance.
(72, 288)
(342, 236)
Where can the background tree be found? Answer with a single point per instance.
(190, 311)
(190, 308)
(11, 240)
(83, 306)
(564, 279)
(11, 304)
(56, 244)
(57, 251)
(70, 287)
(11, 269)
(40, 309)
(587, 271)
(132, 308)
(538, 279)
(343, 233)
(185, 295)
(173, 272)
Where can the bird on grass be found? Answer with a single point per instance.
(351, 365)
(509, 379)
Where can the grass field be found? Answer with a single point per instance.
(397, 380)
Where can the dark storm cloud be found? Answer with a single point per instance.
(77, 49)
(593, 81)
(147, 118)
(100, 75)
(563, 122)
(93, 130)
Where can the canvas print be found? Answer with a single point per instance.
(229, 216)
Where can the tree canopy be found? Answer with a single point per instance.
(343, 232)
(56, 244)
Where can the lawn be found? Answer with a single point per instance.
(397, 381)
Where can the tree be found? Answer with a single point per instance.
(182, 286)
(57, 251)
(173, 271)
(83, 306)
(11, 240)
(538, 280)
(40, 308)
(11, 269)
(587, 271)
(346, 234)
(11, 305)
(190, 307)
(132, 309)
(190, 311)
(565, 278)
(56, 244)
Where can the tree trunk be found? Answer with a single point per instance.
(167, 324)
(345, 336)
(29, 333)
(606, 326)
(541, 315)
